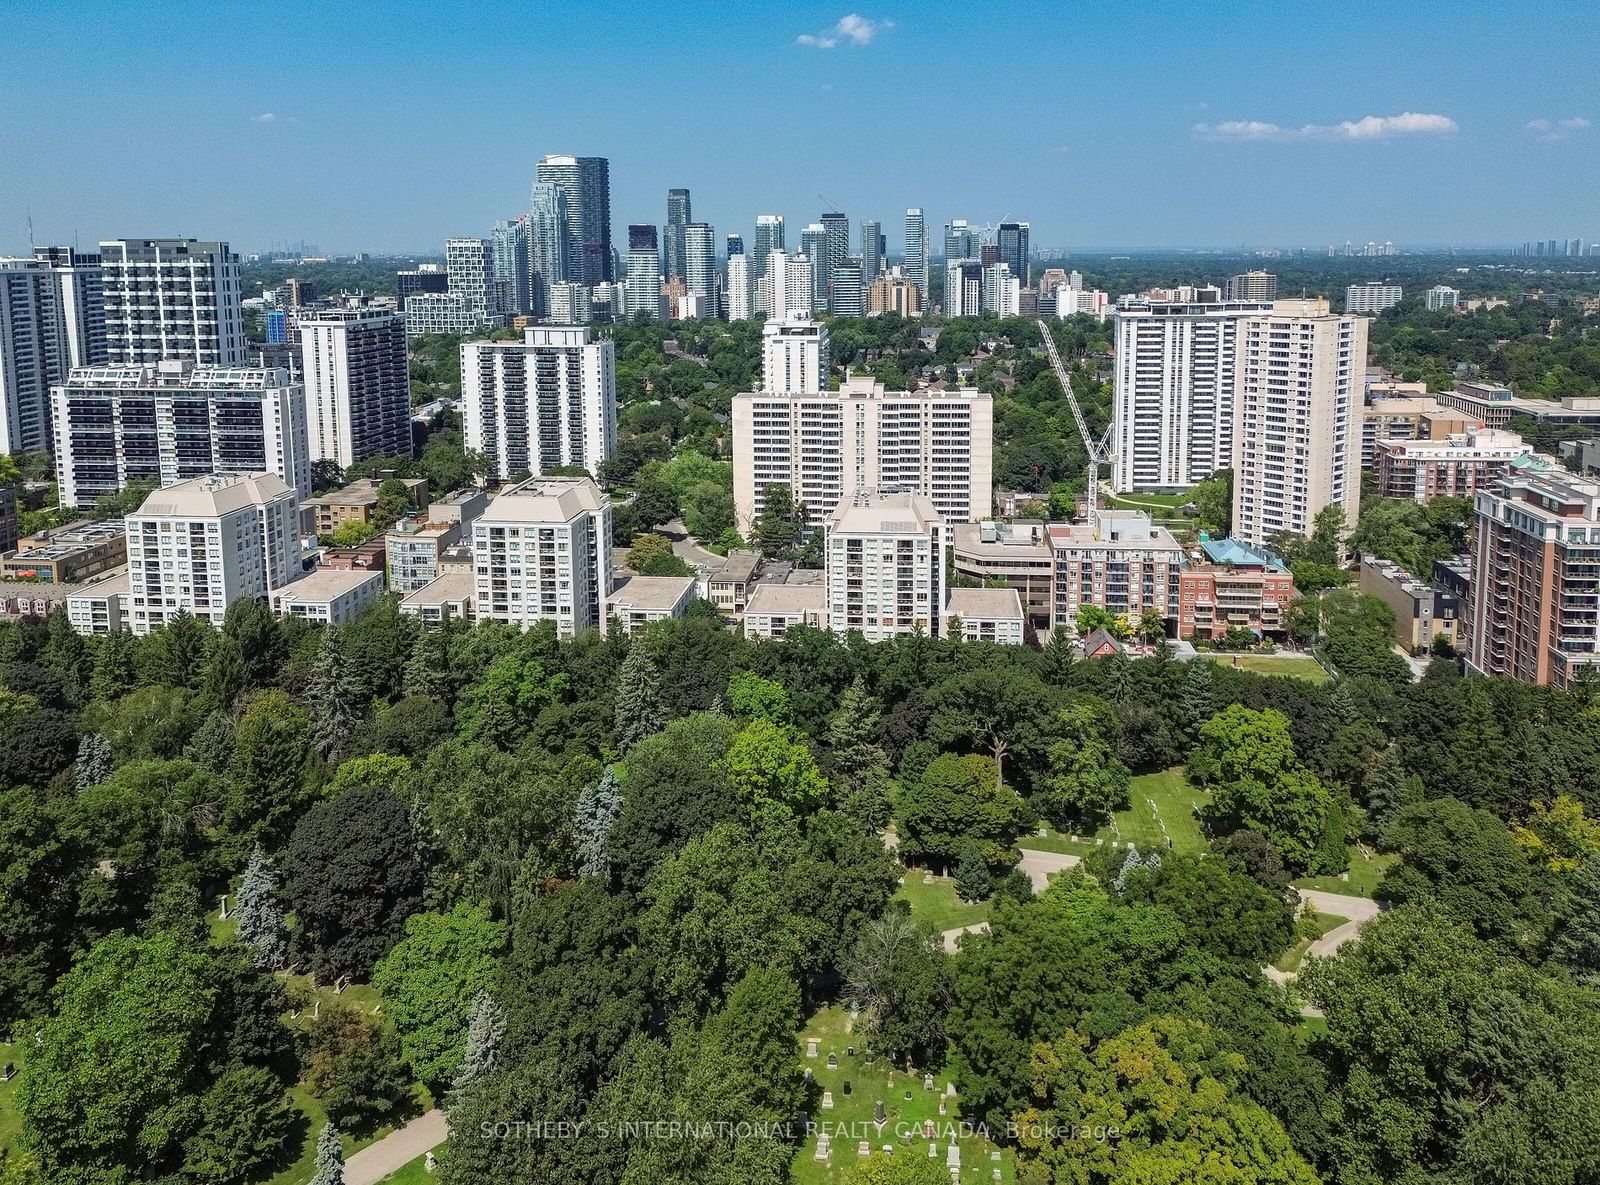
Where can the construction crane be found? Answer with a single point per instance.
(1099, 453)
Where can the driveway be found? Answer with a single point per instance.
(376, 1161)
(1360, 911)
(950, 936)
(687, 549)
(1041, 866)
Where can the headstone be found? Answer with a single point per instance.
(888, 1149)
(9, 1073)
(880, 1115)
(824, 1147)
(430, 1162)
(952, 1157)
(855, 1009)
(942, 1110)
(927, 1129)
(811, 1047)
(833, 1061)
(809, 1075)
(850, 1050)
(908, 1096)
(994, 1155)
(996, 1174)
(827, 1100)
(1043, 830)
(949, 1090)
(927, 877)
(927, 1082)
(847, 1088)
(863, 1149)
(222, 911)
(933, 1150)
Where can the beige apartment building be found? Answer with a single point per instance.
(1417, 417)
(1297, 418)
(1533, 603)
(1459, 465)
(825, 446)
(1119, 561)
(884, 557)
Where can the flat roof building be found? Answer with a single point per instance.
(773, 608)
(1017, 553)
(1457, 465)
(1423, 612)
(640, 600)
(1119, 561)
(1234, 586)
(987, 615)
(542, 552)
(1493, 406)
(70, 553)
(451, 594)
(329, 596)
(885, 555)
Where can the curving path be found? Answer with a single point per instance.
(397, 1149)
(1360, 911)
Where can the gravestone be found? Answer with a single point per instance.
(824, 1147)
(811, 1047)
(928, 1129)
(850, 1049)
(908, 1096)
(827, 1100)
(833, 1061)
(942, 1110)
(927, 1082)
(994, 1155)
(927, 877)
(996, 1174)
(949, 1090)
(952, 1158)
(863, 1149)
(9, 1073)
(880, 1115)
(809, 1075)
(222, 911)
(847, 1088)
(430, 1162)
(888, 1149)
(933, 1150)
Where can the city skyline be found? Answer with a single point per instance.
(1245, 157)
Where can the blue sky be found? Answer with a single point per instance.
(1116, 124)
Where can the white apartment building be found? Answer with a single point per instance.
(786, 287)
(172, 298)
(329, 596)
(52, 318)
(640, 601)
(1441, 297)
(824, 446)
(542, 552)
(358, 385)
(470, 263)
(1371, 298)
(170, 421)
(1002, 291)
(99, 607)
(1117, 560)
(794, 355)
(986, 615)
(643, 286)
(1069, 301)
(548, 400)
(884, 557)
(741, 298)
(444, 312)
(1175, 376)
(963, 288)
(1297, 418)
(198, 546)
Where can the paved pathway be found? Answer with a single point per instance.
(688, 549)
(950, 937)
(1041, 866)
(1360, 911)
(376, 1161)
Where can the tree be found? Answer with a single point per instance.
(771, 772)
(259, 915)
(95, 762)
(595, 816)
(1559, 836)
(330, 1157)
(1213, 499)
(271, 768)
(652, 555)
(639, 711)
(430, 980)
(44, 860)
(750, 697)
(1199, 702)
(1448, 1063)
(248, 1122)
(333, 697)
(352, 877)
(899, 977)
(1004, 713)
(127, 1073)
(1084, 782)
(501, 707)
(958, 801)
(1175, 1101)
(485, 1030)
(1575, 941)
(899, 1170)
(777, 530)
(352, 1064)
(1224, 911)
(674, 786)
(972, 881)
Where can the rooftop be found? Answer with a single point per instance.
(786, 599)
(737, 568)
(179, 373)
(1237, 553)
(871, 512)
(213, 495)
(546, 500)
(650, 592)
(1113, 529)
(985, 604)
(456, 584)
(326, 584)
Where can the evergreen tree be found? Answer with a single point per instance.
(223, 678)
(1342, 704)
(95, 763)
(65, 654)
(211, 746)
(178, 651)
(428, 672)
(259, 914)
(1199, 696)
(1060, 653)
(1389, 790)
(116, 666)
(1576, 941)
(332, 699)
(484, 1031)
(853, 734)
(1131, 863)
(973, 882)
(330, 1158)
(597, 811)
(639, 711)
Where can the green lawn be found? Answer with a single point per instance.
(1164, 797)
(10, 1121)
(850, 1119)
(1291, 958)
(1147, 501)
(937, 903)
(311, 1108)
(1306, 668)
(411, 1173)
(1365, 873)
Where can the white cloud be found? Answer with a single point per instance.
(1369, 127)
(264, 117)
(1557, 129)
(851, 29)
